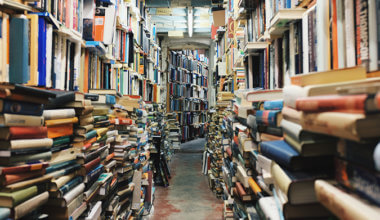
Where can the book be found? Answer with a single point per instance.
(297, 186)
(60, 130)
(344, 125)
(358, 179)
(283, 154)
(263, 95)
(54, 114)
(22, 108)
(23, 168)
(37, 157)
(63, 121)
(30, 205)
(26, 144)
(270, 118)
(312, 147)
(343, 204)
(7, 179)
(13, 199)
(333, 76)
(18, 44)
(13, 133)
(21, 120)
(68, 197)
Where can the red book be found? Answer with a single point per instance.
(12, 133)
(14, 178)
(23, 168)
(91, 165)
(332, 103)
(240, 189)
(125, 121)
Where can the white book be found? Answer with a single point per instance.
(61, 84)
(341, 35)
(72, 194)
(269, 207)
(372, 31)
(291, 51)
(323, 35)
(77, 60)
(95, 211)
(350, 33)
(305, 43)
(109, 24)
(49, 47)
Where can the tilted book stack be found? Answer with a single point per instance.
(26, 151)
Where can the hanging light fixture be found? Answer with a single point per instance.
(190, 21)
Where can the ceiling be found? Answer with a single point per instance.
(172, 15)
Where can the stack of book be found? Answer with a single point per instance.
(66, 187)
(173, 131)
(218, 140)
(160, 150)
(25, 151)
(348, 111)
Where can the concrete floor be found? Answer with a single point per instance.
(188, 196)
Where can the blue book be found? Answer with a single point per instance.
(268, 118)
(110, 100)
(274, 105)
(60, 166)
(71, 184)
(21, 108)
(19, 50)
(41, 51)
(283, 154)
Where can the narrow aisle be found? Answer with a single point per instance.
(188, 196)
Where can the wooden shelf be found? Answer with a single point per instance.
(281, 20)
(16, 5)
(252, 47)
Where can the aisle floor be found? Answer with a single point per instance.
(188, 196)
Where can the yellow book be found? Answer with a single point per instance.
(33, 19)
(333, 76)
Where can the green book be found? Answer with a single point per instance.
(61, 140)
(15, 198)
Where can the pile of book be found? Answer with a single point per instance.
(218, 138)
(347, 112)
(26, 151)
(173, 130)
(160, 150)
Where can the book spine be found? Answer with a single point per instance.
(70, 185)
(318, 104)
(267, 117)
(70, 196)
(58, 114)
(30, 205)
(90, 165)
(23, 120)
(31, 143)
(22, 108)
(359, 179)
(273, 105)
(27, 132)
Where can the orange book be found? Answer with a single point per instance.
(99, 28)
(334, 27)
(61, 121)
(85, 78)
(18, 177)
(60, 130)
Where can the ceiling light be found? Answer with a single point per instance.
(190, 20)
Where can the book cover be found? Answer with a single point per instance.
(7, 179)
(21, 108)
(283, 154)
(26, 144)
(21, 120)
(58, 114)
(12, 199)
(269, 117)
(30, 205)
(13, 133)
(18, 44)
(60, 130)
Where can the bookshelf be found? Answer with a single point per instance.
(86, 76)
(187, 91)
(290, 52)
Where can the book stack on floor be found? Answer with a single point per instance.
(173, 130)
(67, 187)
(25, 151)
(160, 150)
(348, 111)
(218, 140)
